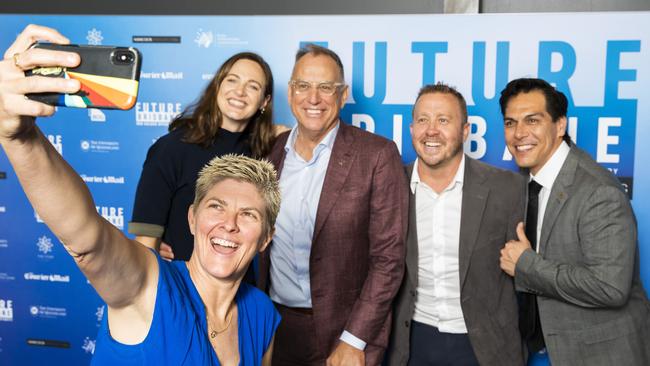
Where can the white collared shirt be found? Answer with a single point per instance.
(301, 184)
(546, 177)
(438, 230)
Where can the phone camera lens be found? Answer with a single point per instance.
(123, 57)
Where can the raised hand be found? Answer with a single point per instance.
(166, 251)
(16, 111)
(513, 249)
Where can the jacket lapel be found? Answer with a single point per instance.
(560, 192)
(475, 197)
(276, 157)
(338, 169)
(412, 236)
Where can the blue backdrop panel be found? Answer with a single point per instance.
(49, 314)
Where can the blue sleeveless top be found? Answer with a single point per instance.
(178, 333)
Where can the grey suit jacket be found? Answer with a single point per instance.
(492, 205)
(592, 306)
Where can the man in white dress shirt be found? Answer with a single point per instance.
(455, 305)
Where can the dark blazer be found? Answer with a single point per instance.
(357, 255)
(592, 306)
(491, 207)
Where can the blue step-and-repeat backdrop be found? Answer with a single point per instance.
(49, 313)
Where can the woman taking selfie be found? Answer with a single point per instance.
(159, 313)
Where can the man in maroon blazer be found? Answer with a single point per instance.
(337, 257)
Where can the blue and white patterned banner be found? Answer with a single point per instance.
(49, 313)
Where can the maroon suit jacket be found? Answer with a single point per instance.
(358, 246)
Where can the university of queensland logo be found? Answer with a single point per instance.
(47, 312)
(85, 145)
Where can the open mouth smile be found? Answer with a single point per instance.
(223, 246)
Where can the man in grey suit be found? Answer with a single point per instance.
(582, 297)
(455, 305)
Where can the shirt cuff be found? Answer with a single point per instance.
(144, 229)
(353, 341)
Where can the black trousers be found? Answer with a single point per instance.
(295, 339)
(431, 347)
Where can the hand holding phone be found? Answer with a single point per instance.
(109, 77)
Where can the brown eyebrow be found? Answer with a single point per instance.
(536, 114)
(245, 209)
(224, 203)
(249, 81)
(218, 200)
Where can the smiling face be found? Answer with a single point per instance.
(316, 112)
(530, 132)
(241, 94)
(438, 130)
(227, 226)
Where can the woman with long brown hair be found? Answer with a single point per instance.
(233, 115)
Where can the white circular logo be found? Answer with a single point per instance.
(33, 310)
(85, 145)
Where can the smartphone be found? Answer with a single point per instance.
(109, 77)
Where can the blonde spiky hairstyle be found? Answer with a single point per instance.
(259, 173)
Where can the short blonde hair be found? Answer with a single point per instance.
(259, 173)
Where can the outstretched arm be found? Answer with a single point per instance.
(56, 192)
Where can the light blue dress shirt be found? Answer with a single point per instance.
(301, 183)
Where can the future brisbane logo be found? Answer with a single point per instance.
(6, 310)
(606, 131)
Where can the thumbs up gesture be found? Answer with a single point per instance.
(512, 251)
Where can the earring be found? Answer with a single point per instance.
(262, 110)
